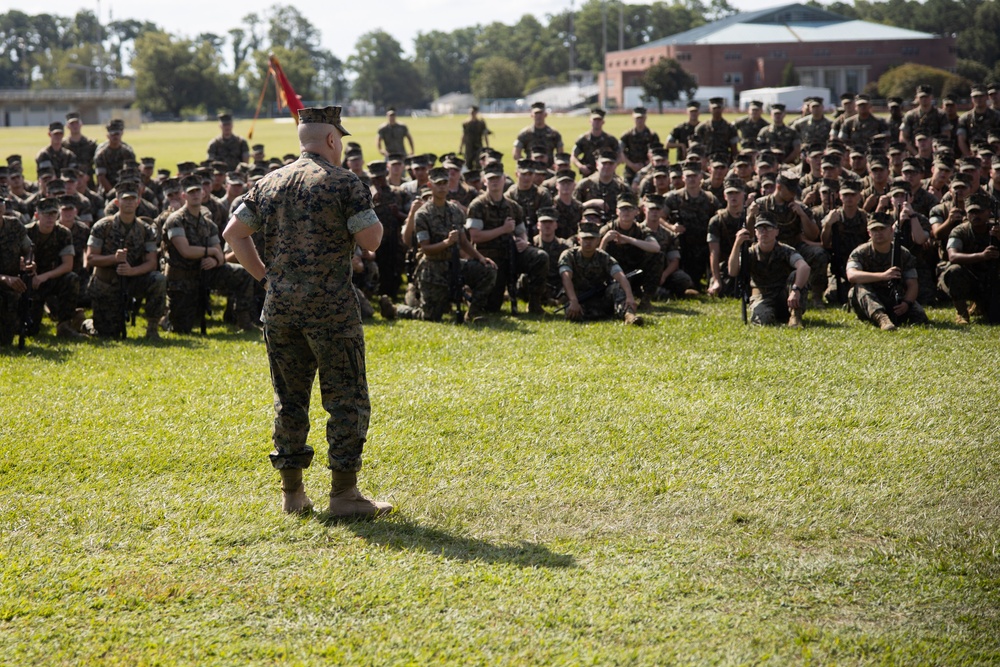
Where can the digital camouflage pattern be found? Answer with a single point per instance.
(870, 298)
(812, 131)
(630, 258)
(62, 292)
(779, 137)
(717, 137)
(55, 159)
(592, 188)
(186, 279)
(109, 161)
(393, 137)
(588, 274)
(933, 123)
(432, 224)
(85, 149)
(230, 151)
(308, 212)
(137, 238)
(771, 276)
(14, 244)
(858, 132)
(546, 138)
(588, 147)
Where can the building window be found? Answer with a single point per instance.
(684, 55)
(733, 55)
(911, 50)
(866, 51)
(779, 55)
(821, 53)
(757, 78)
(732, 77)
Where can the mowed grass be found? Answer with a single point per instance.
(693, 492)
(171, 143)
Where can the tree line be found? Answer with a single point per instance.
(174, 75)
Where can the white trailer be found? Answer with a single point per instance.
(791, 96)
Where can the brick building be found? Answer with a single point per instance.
(752, 49)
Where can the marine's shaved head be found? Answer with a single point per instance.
(322, 139)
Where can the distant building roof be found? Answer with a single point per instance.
(788, 24)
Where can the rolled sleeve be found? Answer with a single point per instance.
(362, 220)
(474, 223)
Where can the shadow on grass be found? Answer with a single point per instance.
(39, 349)
(402, 534)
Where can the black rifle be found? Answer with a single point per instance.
(838, 262)
(512, 274)
(129, 306)
(456, 288)
(587, 295)
(743, 280)
(25, 315)
(897, 288)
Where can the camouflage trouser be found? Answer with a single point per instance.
(818, 260)
(8, 315)
(533, 262)
(107, 301)
(677, 282)
(866, 302)
(435, 291)
(772, 307)
(183, 296)
(961, 284)
(60, 295)
(652, 264)
(611, 304)
(695, 255)
(294, 356)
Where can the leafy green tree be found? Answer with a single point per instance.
(666, 80)
(445, 59)
(383, 75)
(497, 77)
(173, 74)
(902, 81)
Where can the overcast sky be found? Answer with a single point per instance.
(340, 22)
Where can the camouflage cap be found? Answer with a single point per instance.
(190, 183)
(879, 220)
(978, 201)
(598, 112)
(473, 176)
(763, 220)
(225, 118)
(56, 187)
(653, 201)
(912, 164)
(116, 126)
(850, 186)
(595, 212)
(589, 230)
(547, 213)
(127, 190)
(72, 116)
(257, 148)
(789, 180)
(235, 178)
(48, 205)
(494, 170)
(394, 158)
(899, 185)
(324, 116)
(734, 184)
(68, 201)
(960, 180)
(378, 168)
(608, 156)
(56, 127)
(171, 185)
(626, 201)
(895, 101)
(564, 175)
(639, 111)
(438, 175)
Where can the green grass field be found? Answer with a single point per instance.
(171, 143)
(691, 492)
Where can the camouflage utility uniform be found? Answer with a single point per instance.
(308, 213)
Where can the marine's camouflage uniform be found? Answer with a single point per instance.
(186, 279)
(230, 151)
(309, 212)
(62, 292)
(138, 238)
(588, 274)
(432, 224)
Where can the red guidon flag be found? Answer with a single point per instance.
(287, 99)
